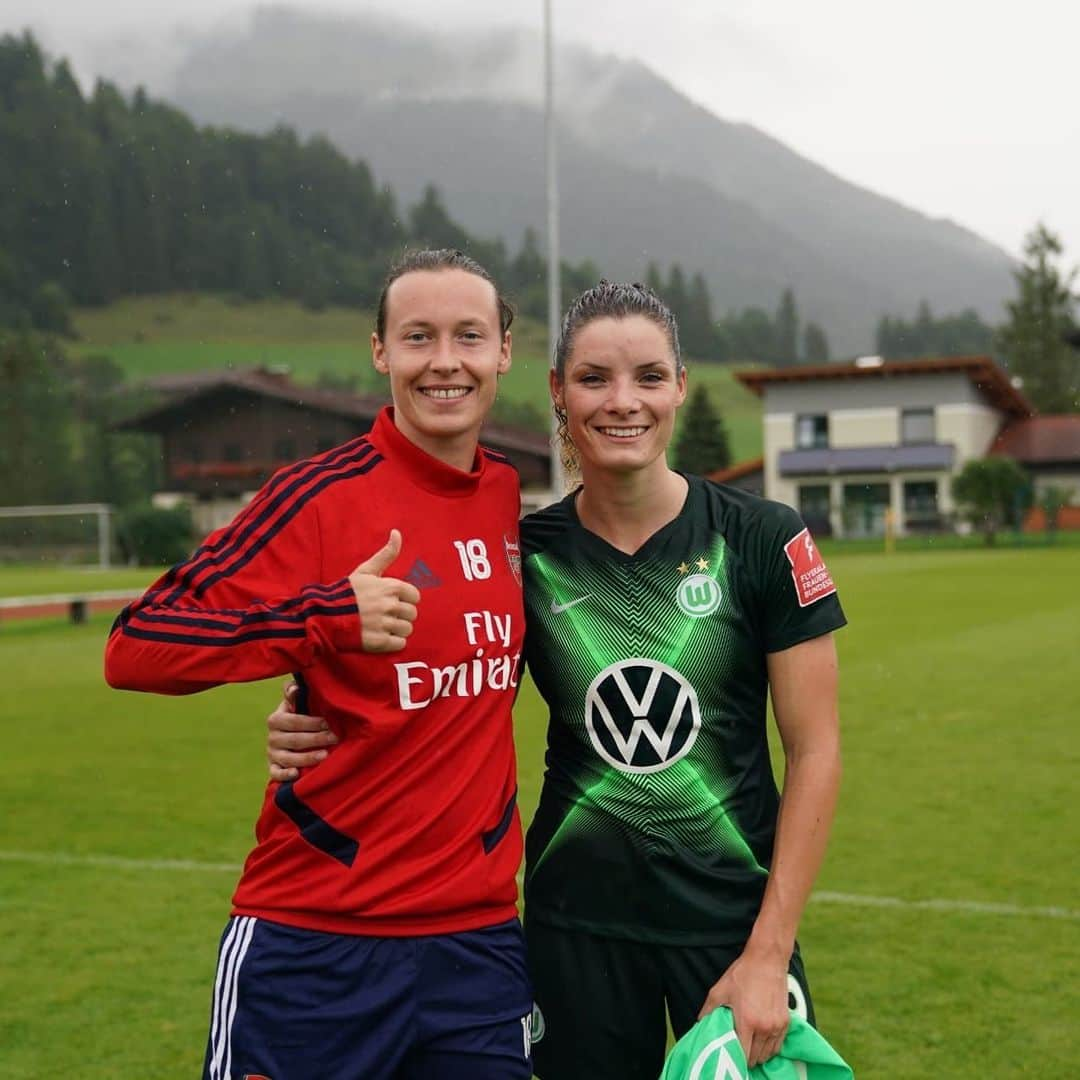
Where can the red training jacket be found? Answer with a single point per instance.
(410, 826)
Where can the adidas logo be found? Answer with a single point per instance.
(422, 576)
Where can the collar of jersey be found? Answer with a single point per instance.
(424, 470)
(693, 503)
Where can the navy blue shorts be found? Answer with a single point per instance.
(292, 1004)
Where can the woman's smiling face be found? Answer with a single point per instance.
(620, 391)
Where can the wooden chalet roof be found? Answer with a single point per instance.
(185, 391)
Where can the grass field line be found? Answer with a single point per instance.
(116, 862)
(974, 907)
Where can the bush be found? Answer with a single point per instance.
(151, 536)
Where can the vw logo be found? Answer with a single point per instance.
(641, 716)
(698, 596)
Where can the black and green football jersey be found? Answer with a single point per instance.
(658, 809)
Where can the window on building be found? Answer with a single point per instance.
(865, 506)
(812, 432)
(921, 505)
(814, 506)
(917, 426)
(285, 450)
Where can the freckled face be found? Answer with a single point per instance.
(620, 393)
(443, 351)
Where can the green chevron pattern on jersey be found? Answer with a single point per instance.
(686, 800)
(657, 815)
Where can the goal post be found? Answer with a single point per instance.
(102, 512)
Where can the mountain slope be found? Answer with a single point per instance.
(644, 173)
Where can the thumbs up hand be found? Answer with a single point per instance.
(387, 605)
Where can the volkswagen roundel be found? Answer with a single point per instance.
(641, 715)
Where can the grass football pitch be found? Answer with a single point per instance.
(944, 939)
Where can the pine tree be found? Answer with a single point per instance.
(702, 446)
(675, 295)
(787, 330)
(815, 344)
(697, 327)
(431, 226)
(654, 279)
(1039, 318)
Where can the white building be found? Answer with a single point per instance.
(846, 443)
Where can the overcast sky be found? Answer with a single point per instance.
(960, 108)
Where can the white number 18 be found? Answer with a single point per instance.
(474, 559)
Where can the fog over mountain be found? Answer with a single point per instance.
(644, 172)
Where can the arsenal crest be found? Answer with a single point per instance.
(513, 556)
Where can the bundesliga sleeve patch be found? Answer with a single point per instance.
(812, 579)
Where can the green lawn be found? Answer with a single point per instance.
(30, 580)
(959, 691)
(189, 332)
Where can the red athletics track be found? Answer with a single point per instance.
(61, 605)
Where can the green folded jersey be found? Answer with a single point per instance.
(710, 1051)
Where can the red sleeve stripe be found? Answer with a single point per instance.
(240, 544)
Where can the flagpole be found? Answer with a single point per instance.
(552, 191)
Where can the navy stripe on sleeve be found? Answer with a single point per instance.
(254, 507)
(231, 618)
(236, 539)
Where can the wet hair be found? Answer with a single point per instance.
(607, 300)
(435, 259)
(614, 300)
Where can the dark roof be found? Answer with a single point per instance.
(185, 390)
(1041, 440)
(737, 471)
(871, 459)
(990, 379)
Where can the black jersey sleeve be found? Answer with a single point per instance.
(798, 594)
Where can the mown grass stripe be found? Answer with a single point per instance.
(972, 907)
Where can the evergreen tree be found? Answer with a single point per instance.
(35, 423)
(702, 445)
(815, 345)
(675, 295)
(787, 330)
(964, 334)
(431, 226)
(696, 329)
(1039, 319)
(654, 279)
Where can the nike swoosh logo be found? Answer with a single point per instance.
(558, 609)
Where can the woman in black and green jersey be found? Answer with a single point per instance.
(663, 868)
(665, 874)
